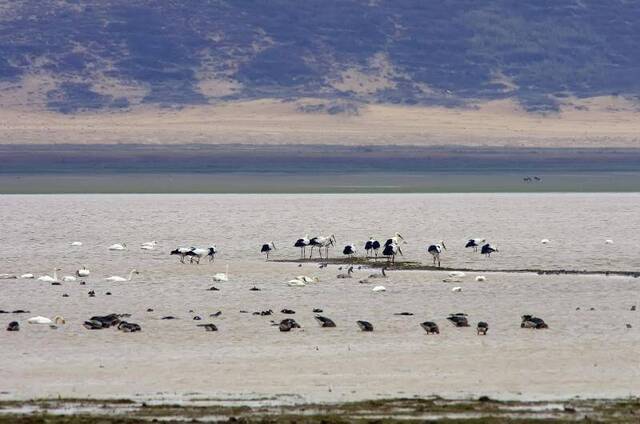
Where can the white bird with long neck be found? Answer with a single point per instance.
(83, 272)
(53, 323)
(117, 279)
(148, 245)
(221, 276)
(322, 242)
(48, 278)
(435, 250)
(395, 240)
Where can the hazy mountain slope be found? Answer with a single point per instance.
(69, 56)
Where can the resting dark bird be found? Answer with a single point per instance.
(459, 320)
(107, 320)
(324, 321)
(529, 321)
(13, 326)
(288, 324)
(482, 328)
(430, 327)
(216, 314)
(365, 325)
(208, 327)
(93, 325)
(287, 311)
(129, 327)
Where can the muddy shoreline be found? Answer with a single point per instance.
(417, 266)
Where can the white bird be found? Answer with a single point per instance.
(457, 274)
(302, 280)
(322, 242)
(76, 243)
(27, 276)
(83, 272)
(197, 253)
(544, 241)
(68, 278)
(475, 243)
(182, 252)
(456, 289)
(148, 245)
(117, 279)
(46, 321)
(608, 241)
(379, 289)
(221, 276)
(307, 279)
(118, 246)
(435, 250)
(49, 279)
(481, 278)
(8, 276)
(395, 240)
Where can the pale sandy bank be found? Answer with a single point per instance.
(597, 122)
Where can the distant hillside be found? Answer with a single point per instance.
(71, 56)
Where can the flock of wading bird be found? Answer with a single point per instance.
(390, 249)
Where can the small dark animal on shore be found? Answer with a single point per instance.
(209, 327)
(529, 321)
(365, 325)
(430, 327)
(287, 324)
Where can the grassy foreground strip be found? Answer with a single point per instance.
(482, 410)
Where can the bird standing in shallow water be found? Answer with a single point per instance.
(435, 250)
(390, 251)
(372, 246)
(349, 250)
(488, 249)
(475, 243)
(267, 247)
